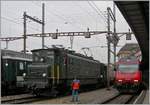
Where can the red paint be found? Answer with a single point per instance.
(128, 77)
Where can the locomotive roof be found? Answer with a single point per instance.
(47, 49)
(67, 51)
(10, 54)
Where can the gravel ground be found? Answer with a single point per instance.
(92, 97)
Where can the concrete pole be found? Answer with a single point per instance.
(108, 44)
(24, 36)
(43, 20)
(114, 10)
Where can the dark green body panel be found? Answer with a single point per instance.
(13, 69)
(13, 65)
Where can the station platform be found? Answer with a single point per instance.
(92, 97)
(146, 99)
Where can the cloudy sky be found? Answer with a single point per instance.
(66, 16)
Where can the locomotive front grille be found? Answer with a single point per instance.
(37, 69)
(38, 82)
(36, 79)
(35, 76)
(36, 72)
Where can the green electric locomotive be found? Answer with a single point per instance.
(53, 70)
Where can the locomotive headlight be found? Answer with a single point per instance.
(135, 80)
(44, 74)
(42, 59)
(24, 74)
(101, 76)
(6, 64)
(120, 80)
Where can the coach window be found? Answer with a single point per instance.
(21, 66)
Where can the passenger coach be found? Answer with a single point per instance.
(13, 68)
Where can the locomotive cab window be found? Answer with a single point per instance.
(42, 56)
(131, 67)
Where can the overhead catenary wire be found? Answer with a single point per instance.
(102, 14)
(91, 18)
(81, 27)
(12, 19)
(60, 17)
(64, 19)
(86, 11)
(102, 22)
(19, 23)
(104, 17)
(97, 12)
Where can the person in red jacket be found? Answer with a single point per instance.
(75, 88)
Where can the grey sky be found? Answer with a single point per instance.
(64, 15)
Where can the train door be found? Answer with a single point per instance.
(11, 73)
(57, 67)
(19, 73)
(2, 71)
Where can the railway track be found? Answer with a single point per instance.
(140, 98)
(119, 99)
(126, 99)
(18, 99)
(116, 99)
(25, 98)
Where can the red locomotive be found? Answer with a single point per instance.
(128, 76)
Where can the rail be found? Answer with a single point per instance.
(126, 98)
(140, 98)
